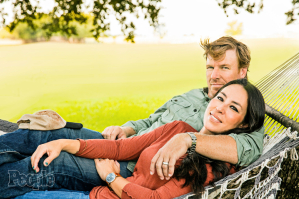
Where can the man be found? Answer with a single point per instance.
(226, 59)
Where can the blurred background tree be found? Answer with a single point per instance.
(234, 29)
(28, 34)
(67, 15)
(66, 12)
(253, 6)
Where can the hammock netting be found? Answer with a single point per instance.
(261, 179)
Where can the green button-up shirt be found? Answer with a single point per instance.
(190, 108)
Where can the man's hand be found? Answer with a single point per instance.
(106, 166)
(114, 132)
(175, 148)
(117, 132)
(52, 149)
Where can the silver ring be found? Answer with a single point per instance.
(166, 163)
(100, 159)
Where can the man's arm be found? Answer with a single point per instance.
(170, 108)
(220, 147)
(249, 146)
(240, 149)
(132, 127)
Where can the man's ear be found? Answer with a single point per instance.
(243, 72)
(243, 126)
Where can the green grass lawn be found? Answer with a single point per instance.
(108, 84)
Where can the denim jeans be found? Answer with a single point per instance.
(66, 171)
(60, 194)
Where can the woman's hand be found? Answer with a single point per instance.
(175, 148)
(52, 149)
(106, 166)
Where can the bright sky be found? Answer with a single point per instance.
(204, 18)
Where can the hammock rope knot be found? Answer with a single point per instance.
(292, 135)
(293, 154)
(284, 153)
(205, 195)
(224, 187)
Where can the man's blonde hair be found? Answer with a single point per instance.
(217, 49)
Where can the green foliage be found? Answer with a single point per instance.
(235, 28)
(28, 34)
(65, 12)
(251, 7)
(83, 30)
(41, 33)
(32, 33)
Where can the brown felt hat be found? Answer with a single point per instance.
(45, 120)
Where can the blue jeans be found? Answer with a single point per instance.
(66, 171)
(61, 194)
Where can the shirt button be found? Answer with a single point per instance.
(195, 110)
(175, 100)
(207, 99)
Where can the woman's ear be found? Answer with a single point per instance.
(242, 126)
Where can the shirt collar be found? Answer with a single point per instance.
(205, 92)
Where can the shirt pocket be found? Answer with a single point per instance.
(178, 108)
(195, 119)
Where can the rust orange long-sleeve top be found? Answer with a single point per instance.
(142, 184)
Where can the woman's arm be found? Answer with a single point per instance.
(125, 189)
(53, 149)
(97, 148)
(106, 166)
(130, 148)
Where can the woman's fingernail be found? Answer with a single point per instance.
(33, 167)
(35, 171)
(151, 173)
(169, 175)
(161, 178)
(47, 163)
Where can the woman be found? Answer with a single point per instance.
(237, 107)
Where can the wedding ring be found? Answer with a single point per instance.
(166, 163)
